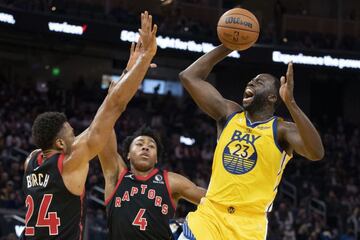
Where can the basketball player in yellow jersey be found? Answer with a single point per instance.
(253, 149)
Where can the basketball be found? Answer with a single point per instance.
(238, 29)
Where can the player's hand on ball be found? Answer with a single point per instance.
(148, 34)
(287, 85)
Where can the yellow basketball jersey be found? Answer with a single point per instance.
(248, 165)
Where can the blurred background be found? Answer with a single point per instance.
(60, 55)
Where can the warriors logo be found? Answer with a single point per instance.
(240, 156)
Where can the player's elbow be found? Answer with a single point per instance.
(320, 155)
(184, 77)
(317, 155)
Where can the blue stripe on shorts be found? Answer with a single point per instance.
(187, 232)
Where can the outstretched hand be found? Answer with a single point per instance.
(145, 44)
(287, 85)
(148, 35)
(135, 51)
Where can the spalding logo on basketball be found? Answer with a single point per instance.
(240, 156)
(238, 29)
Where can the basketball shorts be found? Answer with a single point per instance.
(214, 222)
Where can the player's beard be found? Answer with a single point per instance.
(257, 104)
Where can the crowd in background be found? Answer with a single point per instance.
(333, 181)
(326, 205)
(173, 21)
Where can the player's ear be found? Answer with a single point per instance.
(60, 144)
(272, 98)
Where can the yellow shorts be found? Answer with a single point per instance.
(216, 222)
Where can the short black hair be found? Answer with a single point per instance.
(143, 131)
(46, 127)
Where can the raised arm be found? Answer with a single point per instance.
(301, 136)
(111, 164)
(204, 94)
(91, 142)
(111, 161)
(181, 187)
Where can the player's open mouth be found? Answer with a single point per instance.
(248, 95)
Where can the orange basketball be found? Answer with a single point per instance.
(238, 29)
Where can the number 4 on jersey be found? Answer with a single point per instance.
(139, 220)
